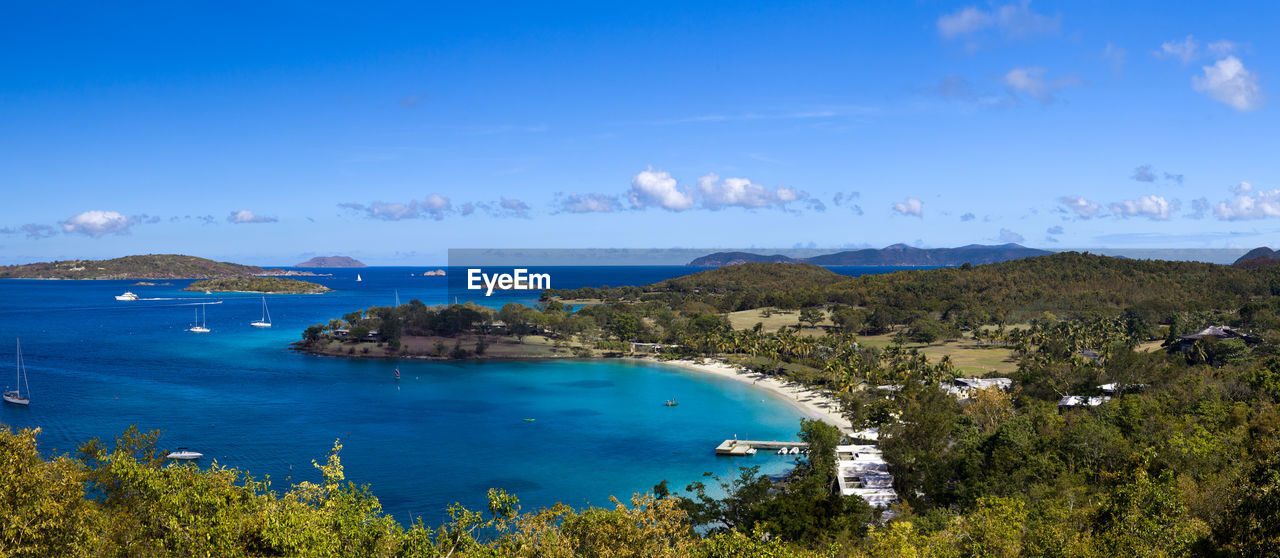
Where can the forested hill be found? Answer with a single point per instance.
(1258, 257)
(331, 261)
(735, 258)
(1067, 284)
(150, 266)
(901, 254)
(897, 254)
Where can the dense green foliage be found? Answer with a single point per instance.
(123, 500)
(1181, 460)
(258, 285)
(150, 266)
(1067, 284)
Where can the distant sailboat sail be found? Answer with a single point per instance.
(266, 316)
(15, 396)
(358, 278)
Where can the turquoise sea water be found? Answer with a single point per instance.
(444, 433)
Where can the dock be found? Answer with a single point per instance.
(742, 447)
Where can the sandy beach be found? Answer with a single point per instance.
(813, 404)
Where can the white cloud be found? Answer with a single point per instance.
(1185, 50)
(1031, 81)
(434, 206)
(1248, 204)
(1081, 207)
(967, 20)
(1229, 82)
(1144, 173)
(97, 223)
(1008, 236)
(1013, 21)
(1151, 207)
(1116, 55)
(33, 231)
(741, 192)
(1223, 47)
(650, 188)
(910, 206)
(1199, 207)
(246, 216)
(1056, 229)
(587, 203)
(513, 207)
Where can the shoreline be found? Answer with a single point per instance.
(810, 402)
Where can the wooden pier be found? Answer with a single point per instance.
(740, 447)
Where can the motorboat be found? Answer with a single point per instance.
(184, 454)
(127, 296)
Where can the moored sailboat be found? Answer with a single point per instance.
(15, 396)
(200, 327)
(266, 316)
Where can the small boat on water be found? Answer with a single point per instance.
(529, 420)
(15, 396)
(184, 454)
(782, 451)
(200, 327)
(671, 403)
(127, 296)
(266, 316)
(358, 279)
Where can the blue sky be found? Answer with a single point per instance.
(266, 133)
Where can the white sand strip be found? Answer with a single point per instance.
(810, 402)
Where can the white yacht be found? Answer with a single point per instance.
(127, 296)
(185, 454)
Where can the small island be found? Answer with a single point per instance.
(273, 285)
(331, 261)
(147, 267)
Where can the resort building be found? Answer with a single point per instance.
(863, 472)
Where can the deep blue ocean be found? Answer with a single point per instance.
(444, 433)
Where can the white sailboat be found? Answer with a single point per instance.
(358, 279)
(15, 396)
(266, 316)
(199, 328)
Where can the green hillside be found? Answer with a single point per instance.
(258, 285)
(150, 266)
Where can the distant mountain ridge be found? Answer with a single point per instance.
(1261, 256)
(149, 266)
(897, 254)
(331, 261)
